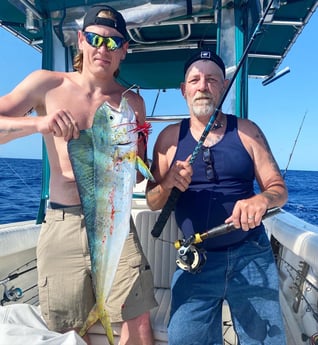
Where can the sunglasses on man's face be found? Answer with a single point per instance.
(112, 42)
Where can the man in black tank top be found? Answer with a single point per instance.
(218, 187)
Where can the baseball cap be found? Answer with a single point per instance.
(117, 22)
(205, 55)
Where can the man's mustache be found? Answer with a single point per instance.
(202, 95)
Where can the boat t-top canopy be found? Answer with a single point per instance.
(164, 33)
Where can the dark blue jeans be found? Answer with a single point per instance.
(246, 276)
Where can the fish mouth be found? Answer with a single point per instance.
(125, 143)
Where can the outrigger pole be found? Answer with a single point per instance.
(175, 192)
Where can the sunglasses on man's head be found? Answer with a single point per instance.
(112, 42)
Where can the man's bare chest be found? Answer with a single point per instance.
(79, 107)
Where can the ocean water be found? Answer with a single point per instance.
(20, 190)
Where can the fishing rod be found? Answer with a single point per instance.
(292, 151)
(14, 294)
(175, 192)
(15, 275)
(191, 258)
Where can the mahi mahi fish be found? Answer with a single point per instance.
(104, 161)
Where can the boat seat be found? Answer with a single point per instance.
(161, 255)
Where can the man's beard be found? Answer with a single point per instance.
(204, 108)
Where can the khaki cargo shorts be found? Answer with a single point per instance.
(65, 286)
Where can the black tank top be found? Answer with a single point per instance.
(208, 202)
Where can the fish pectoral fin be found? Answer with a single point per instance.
(143, 169)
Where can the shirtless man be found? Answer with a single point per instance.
(65, 103)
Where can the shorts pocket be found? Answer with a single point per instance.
(134, 262)
(44, 297)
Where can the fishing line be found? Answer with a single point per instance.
(166, 241)
(20, 178)
(175, 192)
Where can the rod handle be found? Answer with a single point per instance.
(166, 212)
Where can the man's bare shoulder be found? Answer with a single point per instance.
(46, 79)
(249, 129)
(136, 102)
(133, 97)
(47, 74)
(168, 137)
(252, 137)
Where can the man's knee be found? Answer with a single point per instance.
(142, 320)
(137, 331)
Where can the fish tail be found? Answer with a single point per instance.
(105, 320)
(91, 319)
(144, 170)
(94, 315)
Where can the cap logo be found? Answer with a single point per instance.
(205, 55)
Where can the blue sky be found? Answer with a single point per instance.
(277, 108)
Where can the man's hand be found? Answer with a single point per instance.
(60, 124)
(248, 213)
(178, 176)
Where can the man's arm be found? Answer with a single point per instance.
(166, 176)
(30, 94)
(15, 127)
(248, 213)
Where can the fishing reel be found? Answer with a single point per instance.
(189, 258)
(11, 295)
